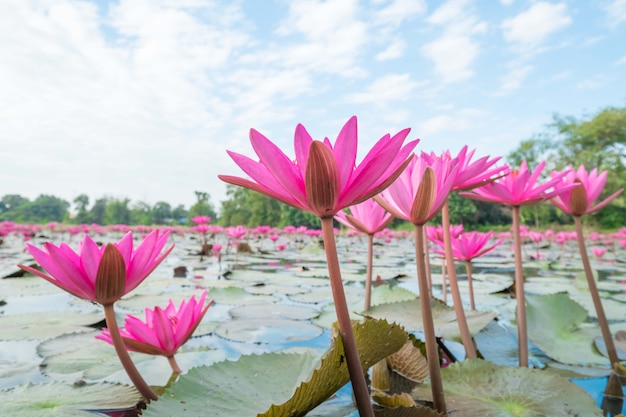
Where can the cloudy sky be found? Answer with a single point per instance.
(141, 99)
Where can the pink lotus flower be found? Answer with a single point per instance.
(76, 272)
(598, 252)
(470, 174)
(324, 178)
(519, 188)
(470, 245)
(367, 217)
(435, 233)
(420, 191)
(165, 330)
(201, 219)
(579, 200)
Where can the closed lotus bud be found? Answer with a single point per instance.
(578, 200)
(322, 180)
(111, 276)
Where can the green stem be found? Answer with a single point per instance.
(522, 331)
(432, 352)
(466, 336)
(118, 343)
(368, 272)
(595, 296)
(357, 376)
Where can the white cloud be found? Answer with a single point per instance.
(454, 52)
(463, 119)
(453, 56)
(621, 61)
(506, 2)
(529, 29)
(386, 89)
(513, 79)
(334, 37)
(616, 12)
(397, 11)
(394, 50)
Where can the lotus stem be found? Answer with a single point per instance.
(134, 375)
(466, 337)
(174, 365)
(468, 268)
(355, 370)
(595, 296)
(432, 351)
(444, 281)
(427, 261)
(522, 331)
(368, 272)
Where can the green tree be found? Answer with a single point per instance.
(140, 213)
(161, 213)
(595, 141)
(45, 208)
(81, 202)
(97, 213)
(202, 206)
(117, 211)
(180, 214)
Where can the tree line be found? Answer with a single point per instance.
(597, 141)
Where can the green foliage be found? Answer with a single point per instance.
(249, 208)
(595, 141)
(45, 208)
(202, 207)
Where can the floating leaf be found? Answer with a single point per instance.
(267, 331)
(478, 388)
(409, 315)
(64, 400)
(285, 311)
(45, 325)
(253, 383)
(555, 325)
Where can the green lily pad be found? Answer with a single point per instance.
(239, 296)
(253, 383)
(284, 311)
(267, 330)
(498, 344)
(409, 315)
(478, 388)
(65, 400)
(382, 294)
(45, 325)
(555, 325)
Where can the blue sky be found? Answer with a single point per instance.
(140, 99)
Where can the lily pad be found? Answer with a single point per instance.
(64, 400)
(284, 311)
(239, 296)
(479, 388)
(253, 383)
(498, 344)
(409, 315)
(267, 331)
(45, 325)
(555, 325)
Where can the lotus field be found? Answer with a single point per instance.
(352, 319)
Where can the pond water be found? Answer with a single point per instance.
(293, 283)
